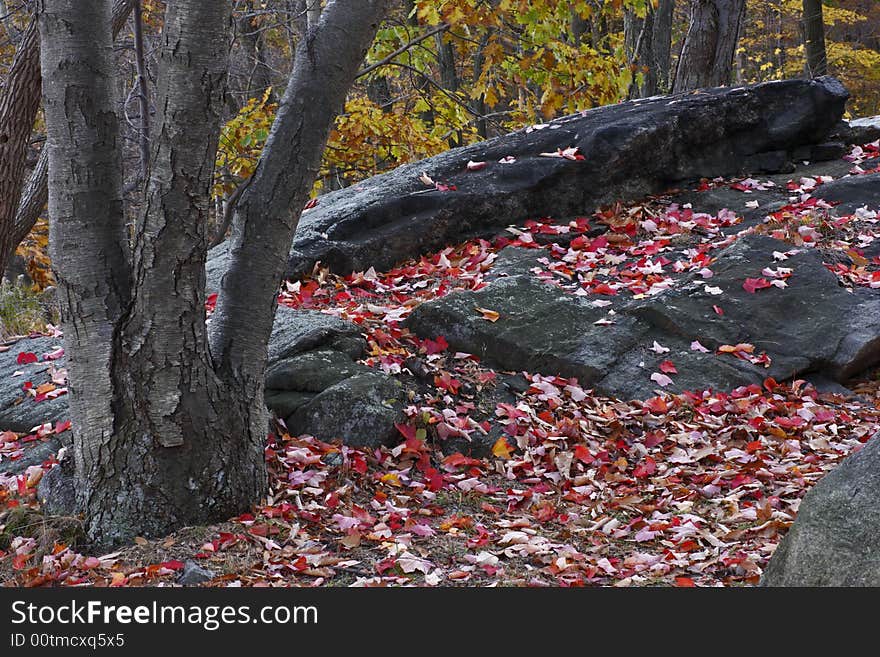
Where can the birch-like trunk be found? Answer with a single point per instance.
(170, 431)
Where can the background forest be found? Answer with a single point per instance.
(445, 73)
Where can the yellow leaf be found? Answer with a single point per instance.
(502, 448)
(490, 315)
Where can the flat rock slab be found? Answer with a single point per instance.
(298, 331)
(630, 149)
(18, 411)
(542, 328)
(834, 540)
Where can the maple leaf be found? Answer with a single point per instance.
(646, 468)
(502, 448)
(475, 166)
(26, 357)
(696, 346)
(668, 367)
(752, 284)
(661, 379)
(659, 348)
(432, 347)
(656, 405)
(446, 382)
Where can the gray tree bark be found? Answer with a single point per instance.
(707, 55)
(88, 244)
(814, 38)
(169, 423)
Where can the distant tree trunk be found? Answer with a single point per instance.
(814, 38)
(662, 44)
(313, 13)
(639, 42)
(169, 420)
(254, 46)
(578, 27)
(479, 104)
(707, 55)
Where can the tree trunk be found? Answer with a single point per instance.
(167, 433)
(88, 244)
(638, 39)
(707, 55)
(814, 33)
(662, 44)
(19, 103)
(35, 193)
(254, 46)
(266, 217)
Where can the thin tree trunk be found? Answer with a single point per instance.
(313, 13)
(638, 37)
(479, 104)
(707, 55)
(662, 44)
(36, 192)
(814, 32)
(266, 217)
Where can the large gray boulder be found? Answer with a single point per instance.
(544, 329)
(835, 540)
(629, 150)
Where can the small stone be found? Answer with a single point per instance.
(193, 574)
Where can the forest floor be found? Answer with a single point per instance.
(685, 490)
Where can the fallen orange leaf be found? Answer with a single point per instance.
(490, 315)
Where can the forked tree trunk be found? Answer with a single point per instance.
(167, 433)
(707, 55)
